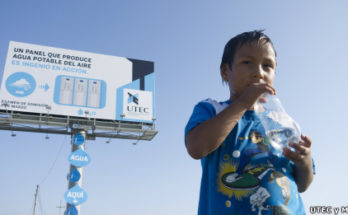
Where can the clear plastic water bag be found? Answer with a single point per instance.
(280, 128)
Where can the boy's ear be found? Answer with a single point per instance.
(224, 71)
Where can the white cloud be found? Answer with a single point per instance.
(22, 83)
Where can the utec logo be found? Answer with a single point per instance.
(133, 98)
(133, 104)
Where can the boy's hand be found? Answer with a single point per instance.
(303, 162)
(302, 154)
(253, 92)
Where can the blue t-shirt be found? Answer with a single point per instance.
(245, 175)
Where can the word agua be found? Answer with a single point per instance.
(79, 158)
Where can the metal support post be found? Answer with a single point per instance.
(75, 147)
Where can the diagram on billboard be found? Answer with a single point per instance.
(20, 84)
(38, 79)
(76, 91)
(95, 93)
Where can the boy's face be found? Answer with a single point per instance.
(253, 63)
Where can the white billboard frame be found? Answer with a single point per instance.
(45, 118)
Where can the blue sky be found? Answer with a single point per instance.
(185, 40)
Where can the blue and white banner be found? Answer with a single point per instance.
(42, 79)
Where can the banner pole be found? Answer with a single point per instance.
(75, 147)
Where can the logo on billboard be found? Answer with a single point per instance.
(133, 98)
(20, 84)
(137, 104)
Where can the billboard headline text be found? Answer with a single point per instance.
(52, 57)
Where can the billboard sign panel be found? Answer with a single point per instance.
(42, 79)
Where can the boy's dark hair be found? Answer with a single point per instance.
(238, 41)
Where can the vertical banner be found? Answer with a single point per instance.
(78, 159)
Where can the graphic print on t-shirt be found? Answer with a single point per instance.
(237, 177)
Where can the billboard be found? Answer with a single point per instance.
(42, 79)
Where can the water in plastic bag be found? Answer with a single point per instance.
(280, 128)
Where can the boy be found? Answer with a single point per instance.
(241, 172)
